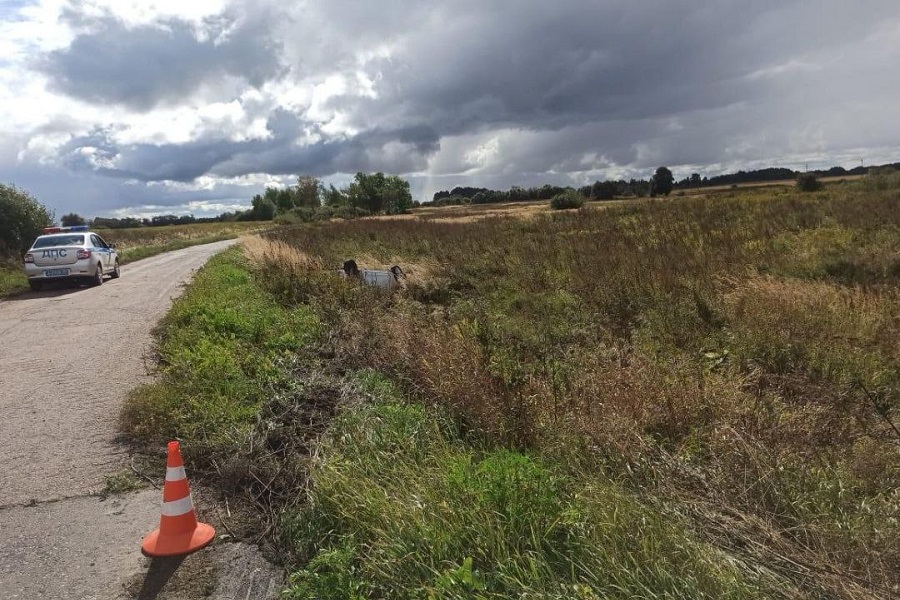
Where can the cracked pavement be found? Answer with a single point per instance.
(68, 358)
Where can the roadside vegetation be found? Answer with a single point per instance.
(134, 244)
(21, 220)
(12, 280)
(142, 242)
(675, 399)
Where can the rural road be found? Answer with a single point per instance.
(68, 358)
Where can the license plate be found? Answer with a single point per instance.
(55, 272)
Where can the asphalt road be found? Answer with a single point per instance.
(68, 358)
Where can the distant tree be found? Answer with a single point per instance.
(377, 193)
(334, 197)
(482, 197)
(21, 219)
(603, 190)
(548, 191)
(282, 199)
(662, 182)
(636, 187)
(308, 192)
(72, 219)
(808, 182)
(517, 194)
(396, 198)
(263, 209)
(695, 180)
(467, 192)
(365, 191)
(163, 220)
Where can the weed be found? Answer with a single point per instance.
(12, 278)
(121, 483)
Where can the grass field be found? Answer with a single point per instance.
(690, 397)
(141, 242)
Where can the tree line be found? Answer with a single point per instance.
(661, 183)
(368, 193)
(307, 199)
(772, 174)
(131, 222)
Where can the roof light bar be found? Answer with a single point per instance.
(65, 229)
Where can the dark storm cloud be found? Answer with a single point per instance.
(279, 154)
(166, 62)
(552, 65)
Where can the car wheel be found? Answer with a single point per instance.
(116, 273)
(36, 285)
(97, 279)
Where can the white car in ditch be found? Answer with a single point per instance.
(70, 254)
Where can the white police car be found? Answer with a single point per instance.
(70, 254)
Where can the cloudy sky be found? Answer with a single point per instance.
(161, 106)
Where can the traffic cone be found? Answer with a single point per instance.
(178, 532)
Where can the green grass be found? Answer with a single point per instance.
(402, 508)
(12, 279)
(224, 349)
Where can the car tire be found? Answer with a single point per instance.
(97, 279)
(35, 285)
(116, 273)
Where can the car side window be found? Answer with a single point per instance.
(98, 242)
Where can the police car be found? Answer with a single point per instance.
(70, 254)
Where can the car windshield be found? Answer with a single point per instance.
(59, 240)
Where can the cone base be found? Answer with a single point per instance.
(175, 545)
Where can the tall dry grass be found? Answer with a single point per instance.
(734, 353)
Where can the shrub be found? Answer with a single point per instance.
(568, 199)
(308, 214)
(21, 219)
(300, 214)
(808, 182)
(344, 212)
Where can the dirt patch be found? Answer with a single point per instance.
(224, 571)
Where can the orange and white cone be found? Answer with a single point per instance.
(178, 532)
